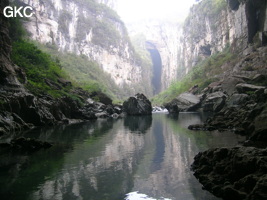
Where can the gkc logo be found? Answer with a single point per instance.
(18, 11)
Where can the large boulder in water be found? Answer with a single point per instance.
(184, 102)
(137, 105)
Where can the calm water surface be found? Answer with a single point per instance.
(132, 158)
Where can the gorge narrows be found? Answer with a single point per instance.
(156, 68)
(95, 105)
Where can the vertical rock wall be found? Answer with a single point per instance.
(163, 37)
(213, 25)
(8, 71)
(210, 27)
(87, 28)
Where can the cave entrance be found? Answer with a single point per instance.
(157, 67)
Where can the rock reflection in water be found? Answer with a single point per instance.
(108, 159)
(138, 124)
(170, 154)
(99, 170)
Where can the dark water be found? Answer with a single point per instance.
(132, 158)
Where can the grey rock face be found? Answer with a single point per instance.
(184, 102)
(138, 105)
(237, 99)
(78, 27)
(233, 173)
(244, 87)
(214, 102)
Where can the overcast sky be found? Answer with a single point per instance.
(132, 10)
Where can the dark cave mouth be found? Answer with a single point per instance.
(156, 68)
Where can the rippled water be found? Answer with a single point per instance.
(133, 158)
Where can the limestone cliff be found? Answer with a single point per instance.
(8, 71)
(210, 26)
(162, 39)
(213, 25)
(113, 4)
(85, 27)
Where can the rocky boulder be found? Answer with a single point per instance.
(214, 102)
(101, 97)
(184, 102)
(137, 105)
(10, 122)
(172, 107)
(233, 173)
(238, 100)
(259, 78)
(244, 87)
(260, 126)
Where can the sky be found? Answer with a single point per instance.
(134, 10)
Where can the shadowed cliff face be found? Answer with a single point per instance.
(157, 69)
(8, 71)
(256, 14)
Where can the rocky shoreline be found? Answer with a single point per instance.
(237, 173)
(21, 111)
(24, 111)
(238, 102)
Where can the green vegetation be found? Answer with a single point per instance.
(16, 30)
(202, 75)
(139, 44)
(100, 9)
(210, 9)
(105, 34)
(45, 65)
(41, 71)
(89, 75)
(84, 73)
(102, 20)
(205, 71)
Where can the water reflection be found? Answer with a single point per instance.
(138, 124)
(106, 159)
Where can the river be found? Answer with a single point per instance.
(134, 158)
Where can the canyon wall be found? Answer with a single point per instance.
(90, 28)
(211, 26)
(9, 72)
(113, 4)
(162, 37)
(85, 27)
